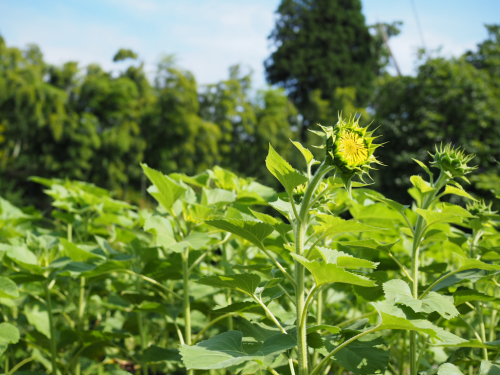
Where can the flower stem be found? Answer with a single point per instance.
(187, 306)
(53, 340)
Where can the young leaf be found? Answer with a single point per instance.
(469, 295)
(280, 227)
(449, 369)
(283, 171)
(217, 197)
(456, 191)
(167, 190)
(162, 229)
(226, 350)
(468, 263)
(344, 260)
(8, 288)
(330, 225)
(252, 231)
(326, 273)
(305, 152)
(8, 335)
(421, 185)
(364, 357)
(245, 282)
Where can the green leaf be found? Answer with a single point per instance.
(195, 241)
(247, 306)
(77, 254)
(397, 291)
(162, 229)
(393, 204)
(280, 227)
(156, 354)
(217, 197)
(449, 369)
(283, 171)
(366, 244)
(326, 273)
(304, 151)
(39, 319)
(457, 191)
(226, 350)
(19, 254)
(344, 260)
(363, 357)
(425, 168)
(487, 368)
(252, 231)
(469, 295)
(330, 225)
(8, 288)
(9, 334)
(166, 190)
(394, 318)
(468, 263)
(245, 282)
(446, 213)
(421, 185)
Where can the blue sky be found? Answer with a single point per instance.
(207, 36)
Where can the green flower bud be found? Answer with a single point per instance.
(483, 215)
(349, 148)
(452, 161)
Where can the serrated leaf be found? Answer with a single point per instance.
(226, 350)
(330, 225)
(76, 254)
(449, 369)
(304, 151)
(468, 263)
(195, 241)
(245, 282)
(448, 213)
(162, 229)
(8, 288)
(469, 295)
(488, 368)
(344, 260)
(283, 171)
(252, 231)
(326, 273)
(167, 191)
(421, 185)
(395, 205)
(9, 334)
(285, 208)
(280, 227)
(394, 318)
(456, 191)
(363, 357)
(397, 291)
(217, 197)
(366, 244)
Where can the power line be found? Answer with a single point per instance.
(415, 13)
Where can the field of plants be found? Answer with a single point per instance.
(223, 275)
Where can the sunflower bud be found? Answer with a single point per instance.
(483, 215)
(349, 148)
(452, 161)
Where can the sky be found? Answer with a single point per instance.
(208, 36)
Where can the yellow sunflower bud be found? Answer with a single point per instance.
(349, 148)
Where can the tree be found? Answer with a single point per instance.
(323, 45)
(450, 100)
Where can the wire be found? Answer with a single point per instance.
(415, 13)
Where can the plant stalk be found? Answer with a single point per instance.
(80, 322)
(53, 342)
(187, 306)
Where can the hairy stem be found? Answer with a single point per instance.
(186, 302)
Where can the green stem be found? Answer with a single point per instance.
(187, 306)
(269, 313)
(420, 227)
(19, 365)
(80, 322)
(142, 332)
(300, 231)
(319, 320)
(53, 342)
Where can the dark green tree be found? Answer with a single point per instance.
(322, 45)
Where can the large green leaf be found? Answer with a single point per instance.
(156, 354)
(162, 229)
(468, 295)
(329, 225)
(488, 368)
(397, 291)
(166, 190)
(8, 335)
(252, 231)
(444, 213)
(364, 357)
(468, 263)
(394, 318)
(195, 241)
(8, 288)
(457, 191)
(421, 185)
(283, 171)
(279, 226)
(245, 282)
(344, 260)
(326, 273)
(77, 254)
(39, 318)
(226, 350)
(449, 369)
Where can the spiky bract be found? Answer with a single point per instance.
(349, 147)
(452, 161)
